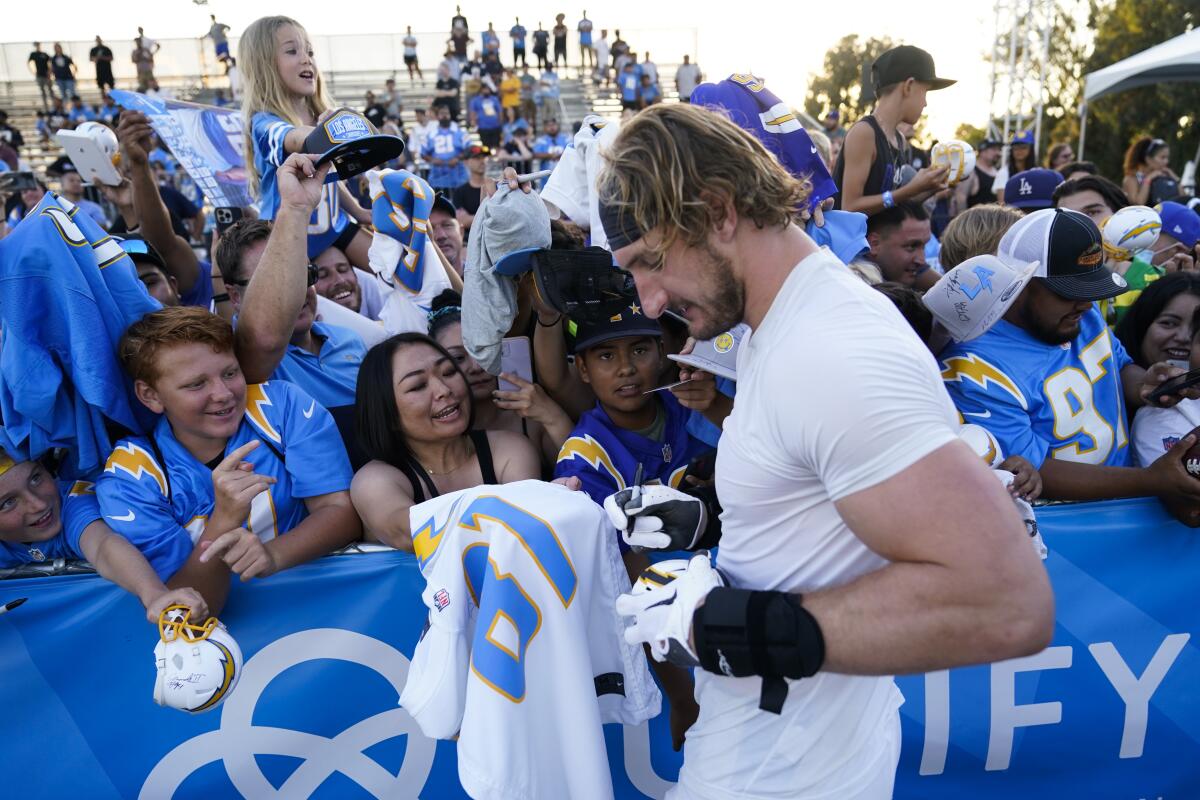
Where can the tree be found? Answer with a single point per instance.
(1165, 110)
(839, 86)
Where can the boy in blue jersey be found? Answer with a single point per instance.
(631, 425)
(630, 83)
(234, 478)
(1050, 381)
(42, 519)
(443, 151)
(484, 114)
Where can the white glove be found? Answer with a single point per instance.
(662, 519)
(662, 618)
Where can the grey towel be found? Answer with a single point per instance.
(507, 221)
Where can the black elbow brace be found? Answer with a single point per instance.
(739, 633)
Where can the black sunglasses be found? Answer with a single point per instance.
(312, 278)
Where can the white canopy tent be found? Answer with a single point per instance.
(1176, 59)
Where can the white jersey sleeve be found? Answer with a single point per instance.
(1157, 430)
(523, 655)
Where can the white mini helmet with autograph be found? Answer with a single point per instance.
(957, 156)
(198, 665)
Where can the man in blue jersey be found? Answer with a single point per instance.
(234, 478)
(42, 519)
(278, 335)
(443, 151)
(630, 83)
(550, 146)
(1049, 379)
(483, 113)
(518, 33)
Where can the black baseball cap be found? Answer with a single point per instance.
(1069, 252)
(629, 321)
(904, 62)
(443, 203)
(352, 143)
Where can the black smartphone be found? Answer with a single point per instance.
(226, 217)
(17, 182)
(1175, 385)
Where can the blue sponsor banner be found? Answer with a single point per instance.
(207, 141)
(1111, 709)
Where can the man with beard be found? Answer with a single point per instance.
(830, 439)
(1051, 382)
(347, 285)
(447, 231)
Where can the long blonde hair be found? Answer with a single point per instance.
(263, 88)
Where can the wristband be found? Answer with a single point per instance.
(739, 632)
(221, 298)
(888, 200)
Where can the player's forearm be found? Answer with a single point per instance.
(274, 296)
(329, 527)
(917, 617)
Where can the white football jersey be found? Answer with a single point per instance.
(523, 656)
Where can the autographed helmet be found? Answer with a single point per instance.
(957, 155)
(103, 136)
(985, 445)
(1130, 230)
(198, 665)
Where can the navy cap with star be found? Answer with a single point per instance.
(632, 321)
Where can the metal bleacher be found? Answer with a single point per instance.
(351, 65)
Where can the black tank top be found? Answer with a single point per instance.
(422, 483)
(884, 169)
(984, 193)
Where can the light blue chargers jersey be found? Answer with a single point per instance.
(1042, 400)
(158, 496)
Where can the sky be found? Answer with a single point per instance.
(783, 42)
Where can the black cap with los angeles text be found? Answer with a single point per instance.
(1069, 252)
(904, 62)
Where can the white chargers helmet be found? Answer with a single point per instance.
(198, 665)
(103, 136)
(955, 154)
(985, 445)
(1129, 231)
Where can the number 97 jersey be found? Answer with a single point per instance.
(1042, 400)
(523, 656)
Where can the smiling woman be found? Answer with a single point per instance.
(414, 411)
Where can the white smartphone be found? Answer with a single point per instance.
(85, 153)
(516, 357)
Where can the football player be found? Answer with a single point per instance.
(848, 557)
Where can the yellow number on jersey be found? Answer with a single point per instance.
(1069, 392)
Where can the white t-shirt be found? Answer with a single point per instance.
(602, 51)
(651, 69)
(524, 656)
(835, 394)
(1157, 430)
(686, 78)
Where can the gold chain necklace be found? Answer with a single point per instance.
(455, 468)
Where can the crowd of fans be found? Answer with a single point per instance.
(288, 434)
